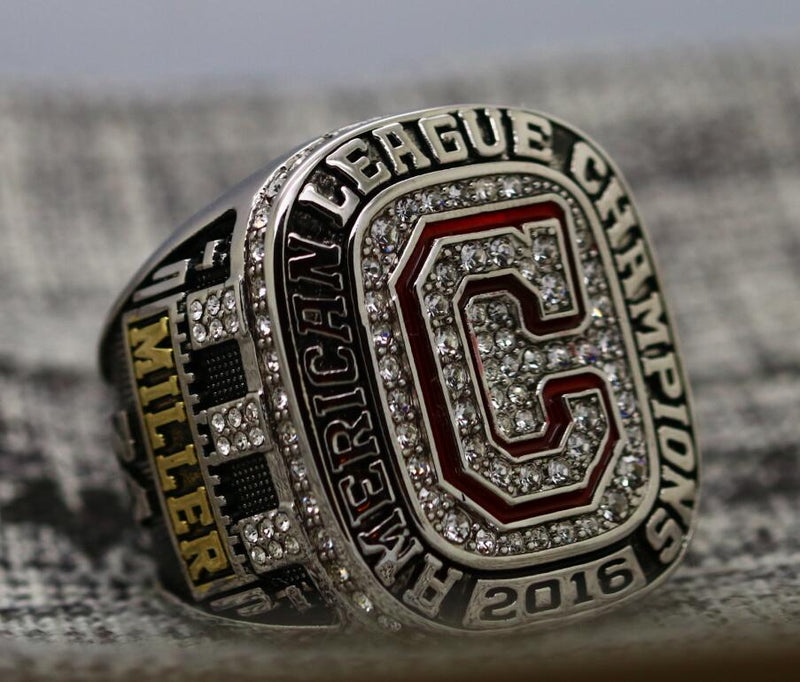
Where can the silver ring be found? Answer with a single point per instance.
(419, 374)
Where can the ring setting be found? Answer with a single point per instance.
(420, 375)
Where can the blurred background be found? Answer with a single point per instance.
(118, 120)
(341, 42)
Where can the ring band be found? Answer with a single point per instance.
(418, 374)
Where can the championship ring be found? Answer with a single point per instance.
(419, 375)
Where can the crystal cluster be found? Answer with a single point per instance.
(213, 316)
(237, 428)
(332, 558)
(512, 366)
(270, 539)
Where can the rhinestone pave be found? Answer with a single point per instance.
(514, 365)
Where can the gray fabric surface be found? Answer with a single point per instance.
(91, 182)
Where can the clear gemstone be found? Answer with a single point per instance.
(257, 250)
(564, 533)
(287, 433)
(527, 268)
(477, 315)
(587, 526)
(552, 289)
(445, 274)
(258, 555)
(418, 467)
(485, 343)
(498, 472)
(447, 341)
(251, 411)
(499, 313)
(309, 503)
(509, 365)
(362, 601)
(372, 269)
(241, 442)
(502, 251)
(532, 360)
(558, 357)
(341, 574)
(256, 436)
(524, 421)
(389, 368)
(382, 335)
(261, 216)
(608, 342)
(218, 422)
(510, 186)
(585, 414)
(429, 499)
(431, 201)
(529, 477)
(250, 533)
(465, 414)
(475, 449)
(455, 193)
(292, 545)
(485, 541)
(375, 302)
(545, 248)
(632, 471)
(324, 541)
(505, 339)
(223, 446)
(406, 209)
(614, 505)
(212, 305)
(578, 445)
(196, 310)
(484, 189)
(627, 404)
(272, 362)
(298, 469)
(280, 401)
(517, 395)
(474, 256)
(215, 328)
(399, 402)
(231, 324)
(436, 304)
(275, 550)
(276, 183)
(406, 435)
(260, 288)
(615, 373)
(514, 543)
(229, 299)
(601, 308)
(588, 353)
(234, 417)
(266, 530)
(384, 232)
(537, 538)
(498, 396)
(491, 370)
(281, 521)
(199, 333)
(455, 376)
(456, 527)
(558, 470)
(264, 327)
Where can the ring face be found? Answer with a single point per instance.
(461, 368)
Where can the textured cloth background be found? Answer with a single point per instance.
(91, 182)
